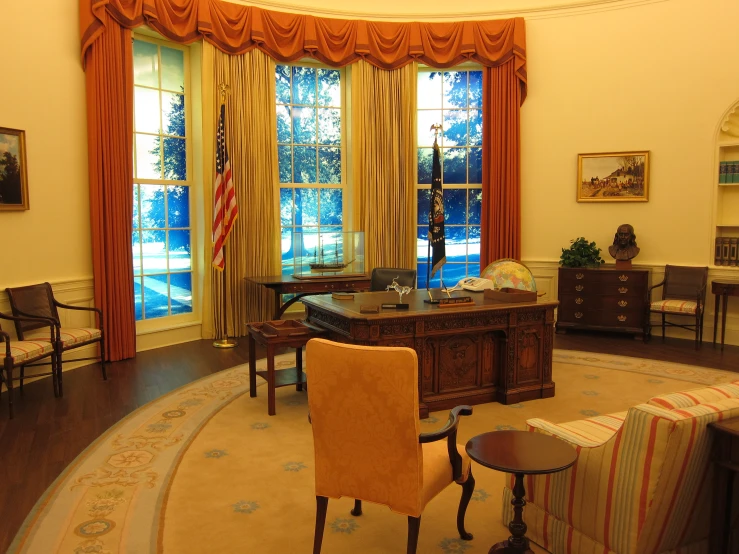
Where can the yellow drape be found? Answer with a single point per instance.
(251, 136)
(384, 162)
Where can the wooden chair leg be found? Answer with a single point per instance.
(23, 374)
(59, 382)
(357, 511)
(54, 376)
(102, 359)
(414, 526)
(468, 487)
(321, 508)
(9, 384)
(663, 326)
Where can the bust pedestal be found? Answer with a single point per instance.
(623, 264)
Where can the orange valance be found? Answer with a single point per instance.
(287, 37)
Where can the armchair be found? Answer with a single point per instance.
(383, 276)
(683, 294)
(366, 432)
(24, 353)
(38, 301)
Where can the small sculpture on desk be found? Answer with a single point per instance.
(400, 290)
(624, 246)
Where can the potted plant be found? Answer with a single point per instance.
(581, 253)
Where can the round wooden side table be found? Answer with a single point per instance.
(521, 453)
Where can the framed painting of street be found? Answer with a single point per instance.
(613, 177)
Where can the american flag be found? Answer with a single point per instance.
(225, 209)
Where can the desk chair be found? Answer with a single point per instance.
(383, 276)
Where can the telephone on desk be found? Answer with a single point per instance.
(474, 284)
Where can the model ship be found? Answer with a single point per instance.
(320, 265)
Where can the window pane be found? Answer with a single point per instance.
(136, 252)
(455, 128)
(475, 89)
(179, 250)
(426, 119)
(429, 90)
(475, 166)
(152, 206)
(475, 199)
(306, 206)
(145, 64)
(173, 113)
(282, 82)
(455, 166)
(424, 206)
(287, 247)
(305, 164)
(135, 206)
(329, 165)
(453, 273)
(455, 89)
(331, 207)
(178, 206)
(435, 281)
(154, 252)
(425, 165)
(175, 159)
(148, 164)
(475, 128)
(286, 206)
(304, 125)
(304, 85)
(284, 154)
(156, 300)
(329, 87)
(180, 290)
(456, 244)
(146, 102)
(455, 204)
(284, 128)
(329, 126)
(422, 243)
(173, 69)
(473, 246)
(137, 302)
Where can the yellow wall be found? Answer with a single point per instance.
(42, 91)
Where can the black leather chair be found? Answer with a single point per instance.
(383, 276)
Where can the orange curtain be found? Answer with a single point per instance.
(503, 91)
(109, 77)
(286, 37)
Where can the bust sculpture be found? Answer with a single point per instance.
(624, 243)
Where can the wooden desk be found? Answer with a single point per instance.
(725, 458)
(287, 284)
(466, 355)
(722, 289)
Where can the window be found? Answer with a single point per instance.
(309, 139)
(162, 251)
(454, 100)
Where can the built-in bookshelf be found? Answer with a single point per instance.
(726, 232)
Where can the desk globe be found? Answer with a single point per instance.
(509, 273)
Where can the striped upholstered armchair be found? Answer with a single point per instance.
(642, 481)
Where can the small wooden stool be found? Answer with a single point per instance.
(273, 335)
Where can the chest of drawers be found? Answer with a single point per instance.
(603, 298)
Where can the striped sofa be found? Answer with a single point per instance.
(642, 481)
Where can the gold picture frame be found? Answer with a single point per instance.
(613, 177)
(13, 180)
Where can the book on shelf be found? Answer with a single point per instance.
(731, 176)
(725, 250)
(733, 250)
(722, 169)
(717, 256)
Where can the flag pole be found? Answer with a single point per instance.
(224, 341)
(431, 300)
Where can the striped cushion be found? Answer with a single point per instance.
(69, 335)
(589, 432)
(23, 350)
(694, 397)
(674, 306)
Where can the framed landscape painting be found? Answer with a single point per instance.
(613, 177)
(13, 183)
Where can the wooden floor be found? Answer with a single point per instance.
(48, 433)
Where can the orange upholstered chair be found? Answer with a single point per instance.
(367, 435)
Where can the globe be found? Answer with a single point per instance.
(509, 273)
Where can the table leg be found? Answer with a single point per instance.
(270, 379)
(299, 367)
(715, 318)
(277, 313)
(252, 366)
(725, 305)
(517, 543)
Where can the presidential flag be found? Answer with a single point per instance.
(436, 215)
(225, 209)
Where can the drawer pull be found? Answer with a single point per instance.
(623, 290)
(578, 288)
(578, 315)
(579, 300)
(579, 276)
(623, 303)
(623, 278)
(622, 318)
